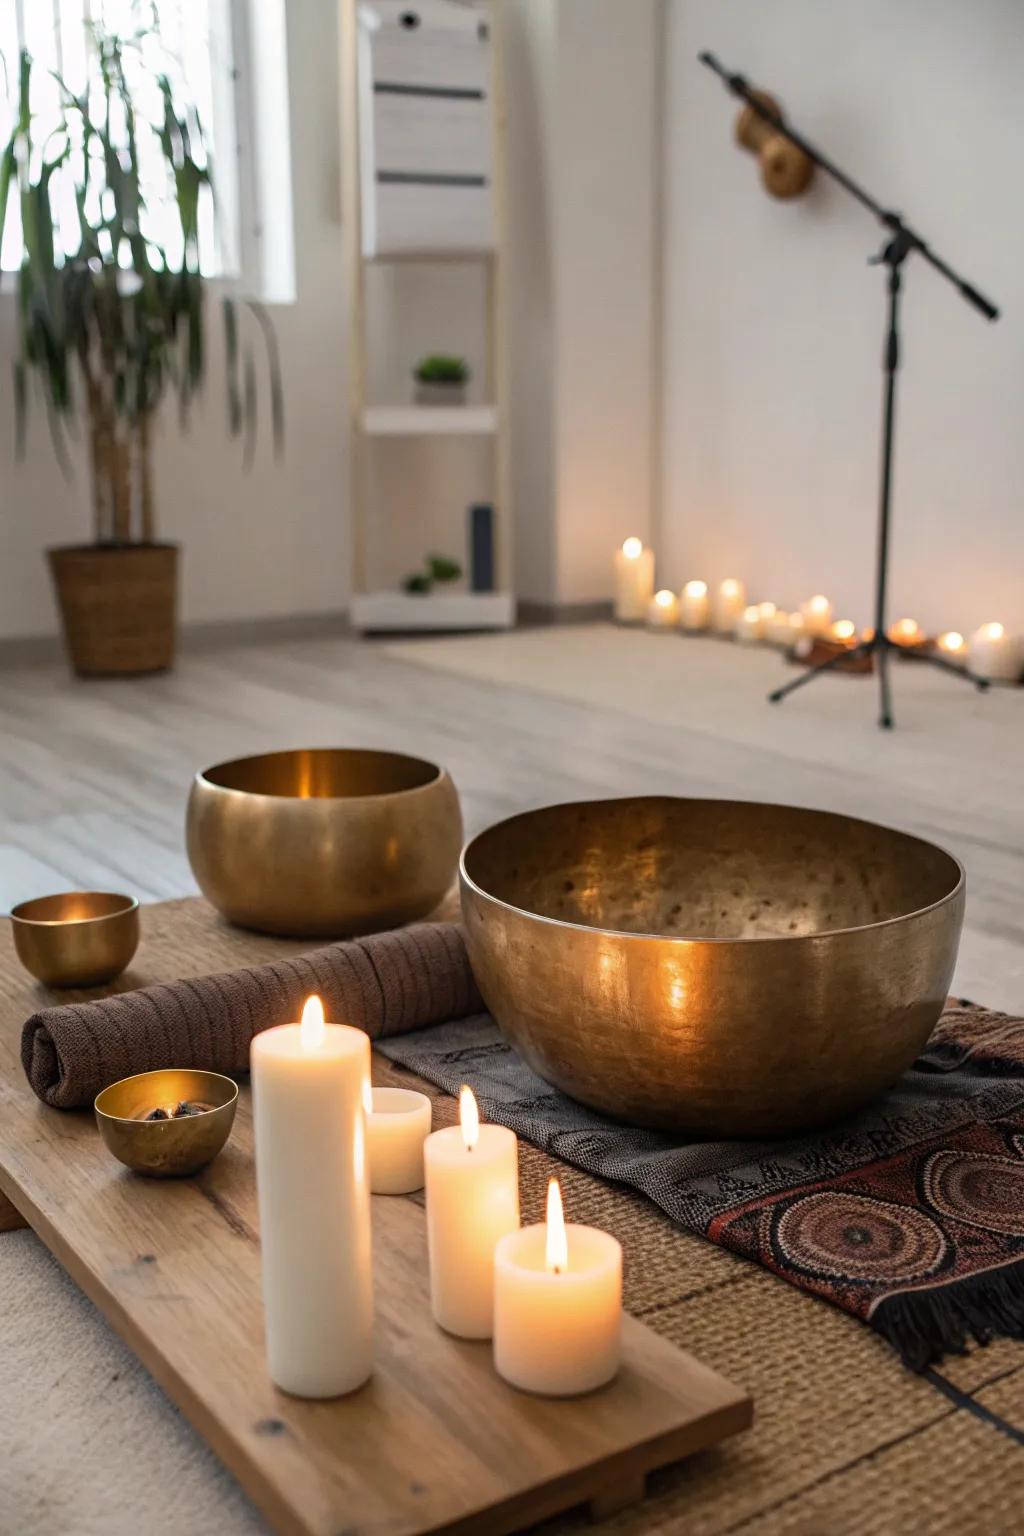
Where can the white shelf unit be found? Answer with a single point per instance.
(374, 423)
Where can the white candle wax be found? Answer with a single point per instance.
(663, 610)
(817, 615)
(694, 607)
(994, 654)
(472, 1180)
(396, 1128)
(309, 1083)
(634, 581)
(748, 625)
(557, 1308)
(952, 645)
(779, 628)
(730, 601)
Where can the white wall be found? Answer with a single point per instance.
(773, 322)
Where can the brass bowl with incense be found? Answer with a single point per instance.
(712, 967)
(324, 841)
(167, 1124)
(78, 938)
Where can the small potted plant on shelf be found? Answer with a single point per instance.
(108, 327)
(438, 570)
(441, 380)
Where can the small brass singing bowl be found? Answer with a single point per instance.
(76, 939)
(712, 967)
(324, 841)
(173, 1147)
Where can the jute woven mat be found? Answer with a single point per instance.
(844, 1441)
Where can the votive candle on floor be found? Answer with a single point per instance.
(730, 601)
(557, 1306)
(694, 607)
(817, 614)
(472, 1182)
(634, 581)
(663, 610)
(397, 1125)
(309, 1083)
(994, 654)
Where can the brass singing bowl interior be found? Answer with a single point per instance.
(714, 967)
(324, 841)
(171, 1148)
(76, 939)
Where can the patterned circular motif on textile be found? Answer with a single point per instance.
(976, 1187)
(854, 1237)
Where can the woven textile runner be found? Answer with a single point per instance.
(909, 1216)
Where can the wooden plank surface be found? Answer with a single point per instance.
(434, 1443)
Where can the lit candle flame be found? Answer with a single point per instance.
(993, 631)
(664, 598)
(752, 614)
(844, 629)
(905, 631)
(312, 1030)
(952, 641)
(730, 587)
(696, 589)
(818, 603)
(557, 1246)
(632, 548)
(469, 1117)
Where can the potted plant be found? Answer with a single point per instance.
(441, 380)
(437, 570)
(107, 330)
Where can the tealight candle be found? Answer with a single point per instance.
(907, 633)
(952, 645)
(472, 1179)
(748, 625)
(845, 631)
(730, 601)
(663, 611)
(557, 1305)
(397, 1125)
(817, 614)
(994, 654)
(634, 581)
(309, 1083)
(694, 606)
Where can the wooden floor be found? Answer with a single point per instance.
(94, 776)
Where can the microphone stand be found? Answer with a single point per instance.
(900, 241)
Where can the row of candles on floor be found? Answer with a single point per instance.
(550, 1295)
(990, 651)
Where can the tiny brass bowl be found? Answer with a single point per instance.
(324, 841)
(77, 939)
(712, 967)
(166, 1149)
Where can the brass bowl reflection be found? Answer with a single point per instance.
(715, 967)
(324, 841)
(76, 939)
(166, 1149)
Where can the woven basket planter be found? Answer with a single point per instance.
(117, 606)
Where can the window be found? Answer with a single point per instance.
(219, 52)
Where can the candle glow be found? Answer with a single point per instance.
(632, 548)
(905, 632)
(993, 631)
(952, 641)
(664, 598)
(556, 1252)
(696, 589)
(844, 629)
(469, 1117)
(312, 1029)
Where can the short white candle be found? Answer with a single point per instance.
(906, 632)
(309, 1084)
(952, 645)
(994, 654)
(472, 1178)
(557, 1306)
(694, 607)
(634, 581)
(748, 625)
(817, 614)
(396, 1128)
(730, 601)
(663, 610)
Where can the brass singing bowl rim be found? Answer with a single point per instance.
(433, 772)
(23, 914)
(214, 1079)
(681, 938)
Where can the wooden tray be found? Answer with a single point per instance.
(435, 1442)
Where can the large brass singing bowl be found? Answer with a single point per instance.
(712, 967)
(324, 841)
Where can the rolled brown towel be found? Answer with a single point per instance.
(386, 984)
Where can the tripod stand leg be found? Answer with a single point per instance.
(813, 672)
(885, 693)
(945, 665)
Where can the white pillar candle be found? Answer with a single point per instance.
(472, 1179)
(309, 1085)
(748, 625)
(817, 615)
(663, 610)
(396, 1127)
(730, 601)
(953, 647)
(994, 654)
(634, 581)
(557, 1306)
(694, 607)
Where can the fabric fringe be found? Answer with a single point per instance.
(926, 1325)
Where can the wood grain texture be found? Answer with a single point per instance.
(435, 1442)
(11, 1219)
